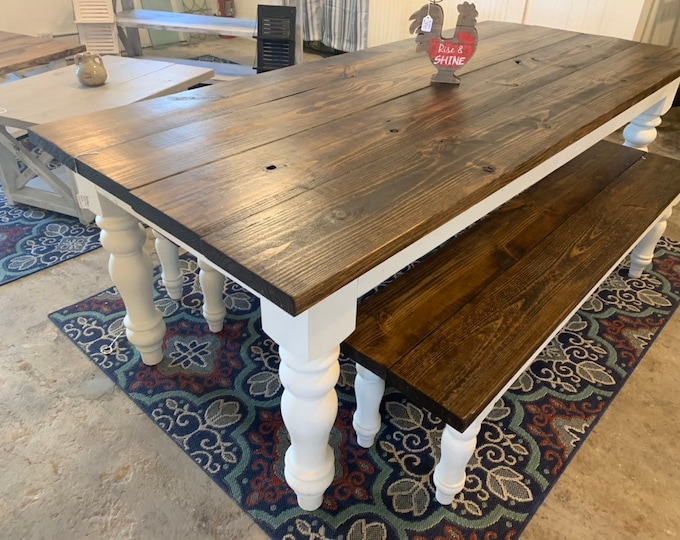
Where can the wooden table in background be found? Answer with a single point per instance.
(312, 184)
(18, 51)
(56, 95)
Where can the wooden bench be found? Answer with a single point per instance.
(454, 332)
(186, 22)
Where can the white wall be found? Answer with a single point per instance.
(618, 18)
(388, 19)
(34, 17)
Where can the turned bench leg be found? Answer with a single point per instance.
(212, 282)
(369, 389)
(456, 450)
(643, 253)
(171, 275)
(212, 285)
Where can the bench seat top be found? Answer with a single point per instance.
(186, 22)
(453, 332)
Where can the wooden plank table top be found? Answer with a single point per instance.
(57, 94)
(18, 51)
(348, 161)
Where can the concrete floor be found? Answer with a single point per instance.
(79, 460)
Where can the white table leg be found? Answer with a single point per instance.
(309, 406)
(456, 450)
(132, 273)
(309, 350)
(168, 254)
(641, 132)
(212, 286)
(369, 390)
(643, 253)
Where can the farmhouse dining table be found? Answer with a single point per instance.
(19, 51)
(313, 184)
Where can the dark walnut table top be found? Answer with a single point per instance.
(18, 51)
(299, 181)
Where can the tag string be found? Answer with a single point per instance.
(112, 348)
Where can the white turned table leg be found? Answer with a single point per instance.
(643, 253)
(641, 132)
(212, 285)
(456, 450)
(132, 273)
(309, 406)
(309, 347)
(369, 389)
(171, 275)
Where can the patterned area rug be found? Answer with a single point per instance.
(217, 396)
(32, 239)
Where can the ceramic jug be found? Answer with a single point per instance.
(90, 69)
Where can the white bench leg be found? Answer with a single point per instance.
(171, 275)
(456, 450)
(369, 389)
(212, 285)
(643, 253)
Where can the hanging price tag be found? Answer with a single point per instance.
(426, 25)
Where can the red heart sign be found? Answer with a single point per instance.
(452, 53)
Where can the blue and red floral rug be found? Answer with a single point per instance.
(217, 396)
(32, 239)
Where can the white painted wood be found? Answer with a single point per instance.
(171, 275)
(456, 450)
(309, 406)
(93, 11)
(132, 272)
(212, 285)
(316, 331)
(129, 80)
(100, 38)
(641, 132)
(369, 389)
(38, 185)
(643, 254)
(186, 22)
(309, 350)
(223, 72)
(95, 20)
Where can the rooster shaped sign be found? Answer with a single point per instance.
(446, 54)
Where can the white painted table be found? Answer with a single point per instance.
(56, 95)
(312, 184)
